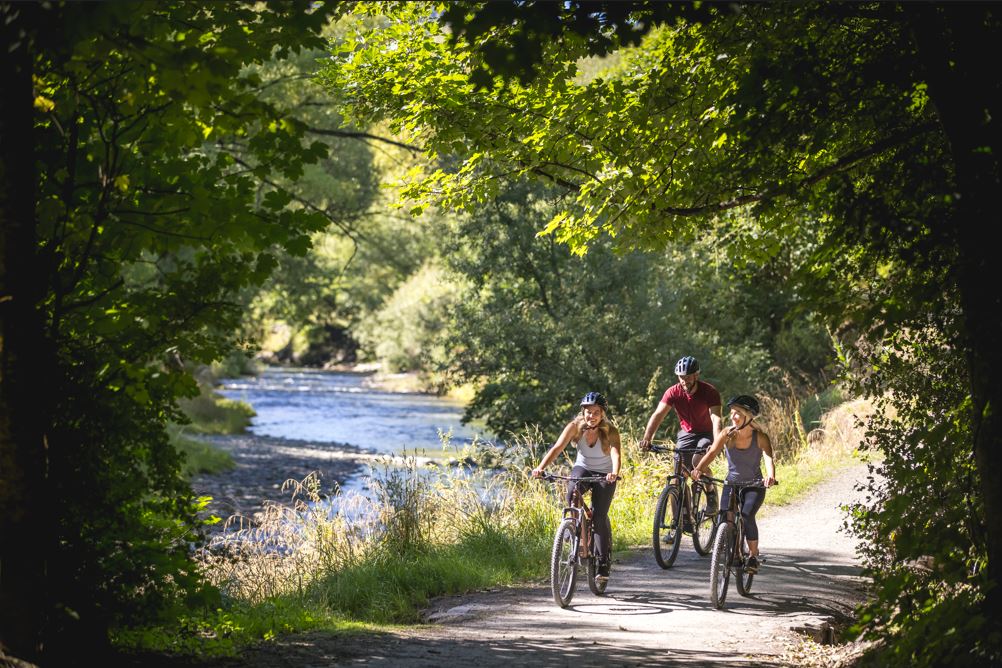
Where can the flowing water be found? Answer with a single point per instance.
(339, 407)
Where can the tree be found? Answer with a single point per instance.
(134, 144)
(863, 127)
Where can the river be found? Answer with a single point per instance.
(341, 407)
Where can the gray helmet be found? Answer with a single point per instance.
(745, 401)
(595, 399)
(686, 365)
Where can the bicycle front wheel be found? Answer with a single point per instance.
(667, 526)
(720, 564)
(563, 563)
(704, 526)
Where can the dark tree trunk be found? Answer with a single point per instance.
(24, 355)
(955, 43)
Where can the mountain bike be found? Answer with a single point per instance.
(681, 509)
(730, 553)
(573, 545)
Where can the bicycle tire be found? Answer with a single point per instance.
(667, 534)
(704, 525)
(597, 588)
(742, 578)
(563, 563)
(720, 564)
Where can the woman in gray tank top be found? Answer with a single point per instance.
(598, 454)
(745, 450)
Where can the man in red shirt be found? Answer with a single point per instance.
(697, 404)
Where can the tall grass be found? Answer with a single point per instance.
(328, 558)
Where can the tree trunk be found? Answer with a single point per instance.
(24, 355)
(954, 44)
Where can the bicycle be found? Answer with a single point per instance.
(574, 544)
(682, 509)
(729, 550)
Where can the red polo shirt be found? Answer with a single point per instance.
(693, 409)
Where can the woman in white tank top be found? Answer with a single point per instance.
(598, 453)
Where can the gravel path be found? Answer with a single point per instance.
(649, 616)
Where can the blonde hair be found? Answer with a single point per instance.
(605, 429)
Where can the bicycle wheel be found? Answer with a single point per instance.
(667, 525)
(704, 526)
(563, 563)
(720, 564)
(743, 578)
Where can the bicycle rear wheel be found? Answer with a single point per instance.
(720, 564)
(742, 577)
(704, 525)
(563, 563)
(667, 526)
(597, 588)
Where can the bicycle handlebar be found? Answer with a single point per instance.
(593, 478)
(738, 485)
(687, 448)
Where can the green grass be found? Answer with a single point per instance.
(199, 456)
(212, 414)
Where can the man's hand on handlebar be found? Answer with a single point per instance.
(696, 474)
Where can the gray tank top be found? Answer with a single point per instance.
(591, 456)
(744, 465)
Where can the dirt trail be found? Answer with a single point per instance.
(649, 616)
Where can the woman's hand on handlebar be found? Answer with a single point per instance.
(770, 481)
(612, 477)
(537, 472)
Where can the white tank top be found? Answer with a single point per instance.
(591, 456)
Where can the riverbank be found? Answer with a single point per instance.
(261, 467)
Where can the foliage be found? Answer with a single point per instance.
(406, 333)
(538, 325)
(923, 446)
(852, 141)
(152, 144)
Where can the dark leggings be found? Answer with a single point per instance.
(751, 501)
(601, 499)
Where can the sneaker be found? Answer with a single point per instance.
(603, 569)
(751, 566)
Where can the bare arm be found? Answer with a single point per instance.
(715, 419)
(616, 444)
(711, 454)
(765, 443)
(566, 436)
(657, 417)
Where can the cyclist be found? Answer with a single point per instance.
(697, 404)
(598, 454)
(745, 450)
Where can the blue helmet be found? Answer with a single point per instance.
(686, 365)
(595, 399)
